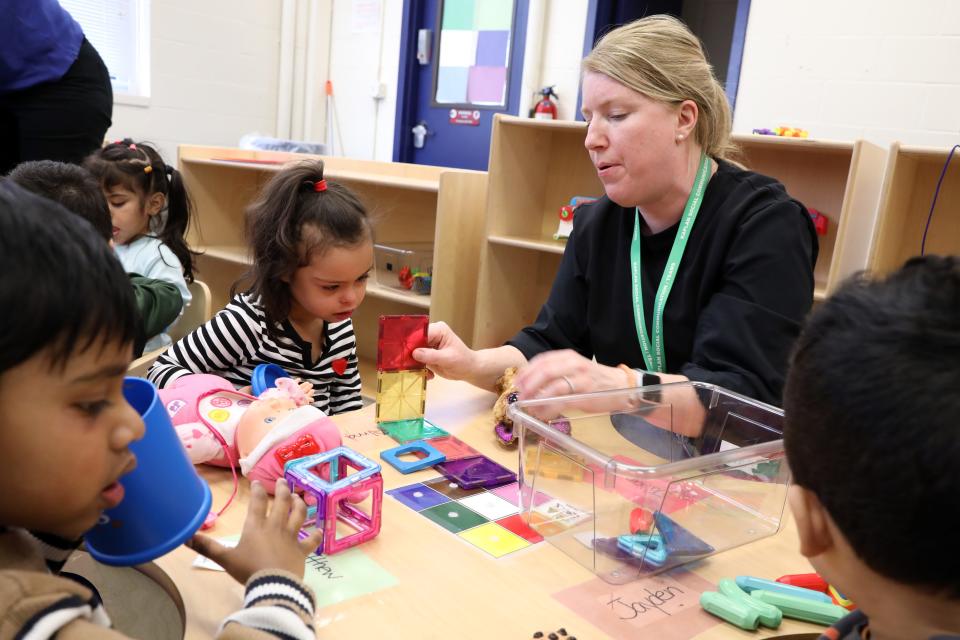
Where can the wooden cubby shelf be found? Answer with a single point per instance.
(536, 166)
(410, 203)
(911, 180)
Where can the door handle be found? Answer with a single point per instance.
(420, 133)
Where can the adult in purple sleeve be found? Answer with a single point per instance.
(55, 96)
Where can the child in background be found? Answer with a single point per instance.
(312, 245)
(65, 431)
(158, 301)
(151, 212)
(872, 411)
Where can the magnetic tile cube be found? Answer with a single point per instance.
(401, 395)
(326, 482)
(398, 337)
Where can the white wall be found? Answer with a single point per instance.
(845, 69)
(214, 68)
(565, 23)
(360, 59)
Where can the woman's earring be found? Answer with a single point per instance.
(679, 137)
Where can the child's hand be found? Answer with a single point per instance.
(269, 540)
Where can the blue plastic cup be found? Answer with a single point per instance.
(165, 500)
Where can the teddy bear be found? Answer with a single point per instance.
(502, 425)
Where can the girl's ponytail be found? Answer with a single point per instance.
(178, 220)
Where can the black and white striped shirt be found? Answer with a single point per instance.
(236, 340)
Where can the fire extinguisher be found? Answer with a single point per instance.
(546, 109)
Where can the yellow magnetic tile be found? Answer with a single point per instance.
(401, 395)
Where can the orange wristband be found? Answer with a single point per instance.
(631, 375)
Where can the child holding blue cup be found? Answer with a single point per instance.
(69, 445)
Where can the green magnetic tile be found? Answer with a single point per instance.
(454, 517)
(404, 431)
(458, 14)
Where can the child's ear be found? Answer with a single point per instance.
(155, 203)
(812, 521)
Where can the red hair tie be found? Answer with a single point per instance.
(320, 185)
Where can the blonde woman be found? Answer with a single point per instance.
(690, 267)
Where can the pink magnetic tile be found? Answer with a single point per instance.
(398, 337)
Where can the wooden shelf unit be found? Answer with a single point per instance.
(911, 180)
(409, 203)
(842, 180)
(536, 166)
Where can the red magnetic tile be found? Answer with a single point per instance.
(452, 447)
(516, 524)
(398, 337)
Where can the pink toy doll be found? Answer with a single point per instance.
(221, 426)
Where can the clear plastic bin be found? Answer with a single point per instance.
(407, 266)
(651, 478)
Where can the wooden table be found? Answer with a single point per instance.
(445, 587)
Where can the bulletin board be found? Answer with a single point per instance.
(472, 66)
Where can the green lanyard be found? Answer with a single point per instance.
(654, 357)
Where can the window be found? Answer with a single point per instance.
(119, 29)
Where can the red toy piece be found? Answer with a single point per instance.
(811, 581)
(641, 521)
(820, 221)
(303, 447)
(398, 337)
(405, 277)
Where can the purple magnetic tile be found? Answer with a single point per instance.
(418, 497)
(479, 471)
(492, 48)
(487, 85)
(511, 493)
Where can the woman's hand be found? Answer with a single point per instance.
(269, 538)
(446, 355)
(565, 372)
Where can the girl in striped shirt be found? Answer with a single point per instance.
(312, 244)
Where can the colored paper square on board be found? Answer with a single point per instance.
(345, 575)
(459, 14)
(454, 517)
(494, 539)
(486, 85)
(450, 488)
(452, 447)
(398, 337)
(665, 606)
(519, 526)
(418, 497)
(511, 493)
(452, 85)
(458, 48)
(492, 48)
(404, 431)
(489, 506)
(493, 14)
(401, 395)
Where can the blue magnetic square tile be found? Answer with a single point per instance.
(418, 497)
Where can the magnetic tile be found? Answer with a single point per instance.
(453, 447)
(401, 395)
(494, 539)
(478, 471)
(398, 337)
(511, 493)
(489, 506)
(404, 431)
(450, 489)
(418, 497)
(454, 517)
(518, 525)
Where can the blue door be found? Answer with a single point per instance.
(460, 63)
